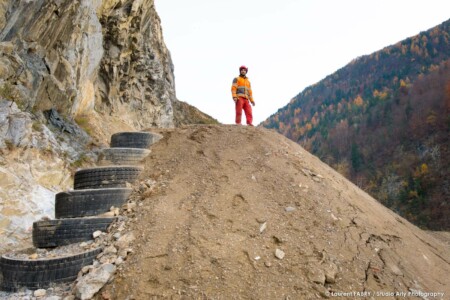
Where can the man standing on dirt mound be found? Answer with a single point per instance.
(242, 95)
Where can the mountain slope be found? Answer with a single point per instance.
(198, 230)
(382, 121)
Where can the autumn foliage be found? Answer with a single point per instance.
(384, 122)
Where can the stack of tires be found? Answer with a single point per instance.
(96, 190)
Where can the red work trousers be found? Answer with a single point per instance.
(244, 104)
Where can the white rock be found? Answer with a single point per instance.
(90, 284)
(262, 227)
(330, 273)
(125, 240)
(118, 261)
(97, 234)
(396, 270)
(289, 209)
(86, 269)
(110, 250)
(279, 254)
(40, 293)
(317, 276)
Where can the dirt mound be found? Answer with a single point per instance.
(230, 199)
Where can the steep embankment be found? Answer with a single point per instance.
(228, 197)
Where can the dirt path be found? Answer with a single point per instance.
(228, 197)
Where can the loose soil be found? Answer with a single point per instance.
(227, 197)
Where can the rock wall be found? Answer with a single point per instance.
(84, 57)
(102, 65)
(136, 72)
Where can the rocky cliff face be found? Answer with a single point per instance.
(88, 57)
(73, 72)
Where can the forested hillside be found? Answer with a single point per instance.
(383, 121)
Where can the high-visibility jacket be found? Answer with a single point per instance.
(241, 88)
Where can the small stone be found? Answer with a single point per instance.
(90, 284)
(279, 254)
(330, 273)
(108, 214)
(33, 256)
(117, 235)
(396, 270)
(257, 257)
(118, 261)
(110, 250)
(268, 264)
(289, 209)
(316, 276)
(40, 293)
(261, 220)
(97, 234)
(84, 245)
(108, 259)
(262, 227)
(253, 177)
(125, 240)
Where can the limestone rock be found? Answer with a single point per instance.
(279, 254)
(15, 125)
(316, 275)
(90, 284)
(40, 293)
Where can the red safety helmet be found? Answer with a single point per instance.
(243, 67)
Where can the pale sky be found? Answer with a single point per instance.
(287, 45)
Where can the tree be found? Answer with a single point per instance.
(356, 158)
(358, 101)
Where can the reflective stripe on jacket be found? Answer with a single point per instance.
(241, 88)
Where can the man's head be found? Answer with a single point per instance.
(243, 70)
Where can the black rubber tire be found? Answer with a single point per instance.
(106, 177)
(122, 156)
(134, 139)
(91, 202)
(40, 273)
(54, 233)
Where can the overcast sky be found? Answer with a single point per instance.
(287, 45)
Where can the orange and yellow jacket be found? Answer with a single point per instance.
(241, 88)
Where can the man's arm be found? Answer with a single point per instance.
(234, 89)
(250, 94)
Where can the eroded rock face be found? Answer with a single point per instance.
(98, 62)
(136, 72)
(86, 56)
